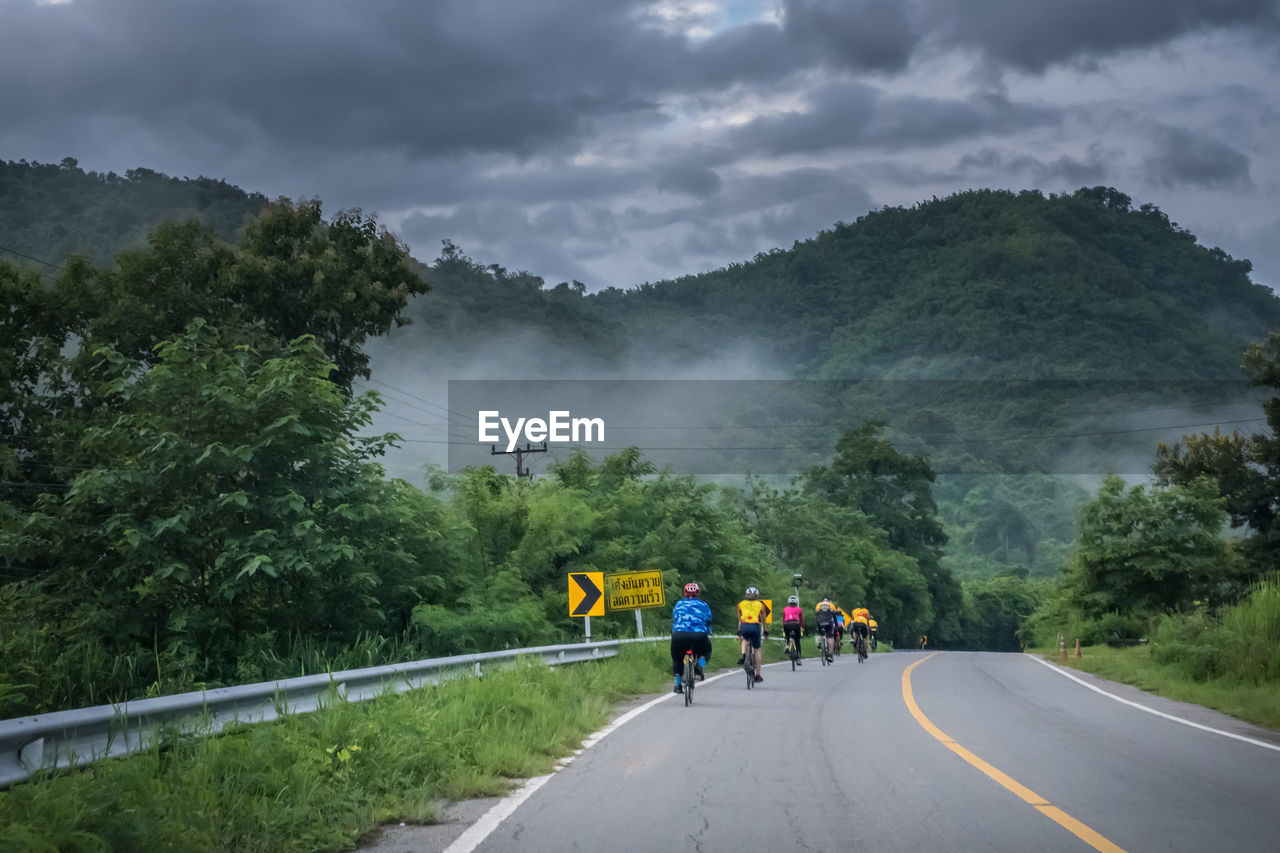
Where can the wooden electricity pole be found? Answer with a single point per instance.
(519, 453)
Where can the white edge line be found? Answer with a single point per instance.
(489, 821)
(1141, 707)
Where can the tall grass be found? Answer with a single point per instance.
(1229, 661)
(1242, 642)
(319, 781)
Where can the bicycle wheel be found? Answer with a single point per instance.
(690, 676)
(792, 652)
(822, 650)
(750, 666)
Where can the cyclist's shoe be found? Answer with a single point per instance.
(830, 659)
(701, 663)
(759, 678)
(678, 688)
(700, 676)
(799, 662)
(742, 659)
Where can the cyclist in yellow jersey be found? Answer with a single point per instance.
(872, 627)
(752, 614)
(825, 617)
(861, 623)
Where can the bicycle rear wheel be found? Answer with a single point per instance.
(690, 676)
(750, 666)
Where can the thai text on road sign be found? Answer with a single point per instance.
(634, 590)
(586, 593)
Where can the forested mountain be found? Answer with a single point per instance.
(979, 285)
(49, 212)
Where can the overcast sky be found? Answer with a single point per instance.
(616, 142)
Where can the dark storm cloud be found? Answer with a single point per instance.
(854, 115)
(1035, 34)
(691, 179)
(1186, 158)
(426, 78)
(871, 35)
(1058, 172)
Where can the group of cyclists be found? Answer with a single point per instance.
(691, 627)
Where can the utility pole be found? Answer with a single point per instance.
(519, 453)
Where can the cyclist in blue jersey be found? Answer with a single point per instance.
(690, 629)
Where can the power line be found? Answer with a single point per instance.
(30, 257)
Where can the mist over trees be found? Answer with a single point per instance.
(192, 493)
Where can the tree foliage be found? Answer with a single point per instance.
(894, 492)
(1150, 550)
(1245, 468)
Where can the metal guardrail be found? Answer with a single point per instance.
(85, 735)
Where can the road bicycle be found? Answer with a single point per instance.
(690, 675)
(860, 643)
(749, 665)
(836, 645)
(824, 649)
(793, 651)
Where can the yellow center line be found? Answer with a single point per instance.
(1094, 839)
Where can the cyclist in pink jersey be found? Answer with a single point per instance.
(793, 622)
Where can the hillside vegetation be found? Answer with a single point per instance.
(190, 495)
(51, 212)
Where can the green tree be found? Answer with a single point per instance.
(1150, 550)
(223, 496)
(1246, 468)
(292, 274)
(894, 492)
(841, 554)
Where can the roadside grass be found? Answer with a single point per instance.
(1242, 698)
(320, 781)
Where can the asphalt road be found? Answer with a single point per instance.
(1002, 753)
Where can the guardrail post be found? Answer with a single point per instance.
(1077, 647)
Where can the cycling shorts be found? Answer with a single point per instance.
(750, 631)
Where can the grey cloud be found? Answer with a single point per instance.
(1035, 34)
(426, 78)
(690, 179)
(857, 115)
(862, 34)
(552, 243)
(1055, 173)
(1187, 158)
(753, 213)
